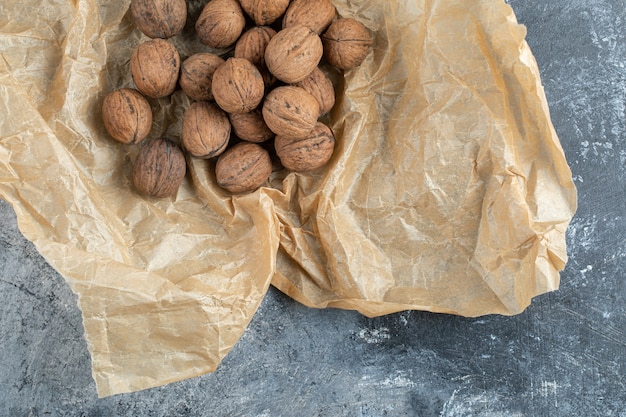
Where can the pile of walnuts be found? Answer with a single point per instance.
(267, 86)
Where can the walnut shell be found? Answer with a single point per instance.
(309, 153)
(250, 126)
(251, 45)
(206, 130)
(237, 86)
(127, 115)
(264, 12)
(293, 53)
(159, 18)
(243, 168)
(320, 87)
(220, 23)
(314, 14)
(290, 111)
(196, 75)
(155, 65)
(159, 168)
(346, 43)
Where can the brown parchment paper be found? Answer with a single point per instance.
(448, 191)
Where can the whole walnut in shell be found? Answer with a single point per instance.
(290, 111)
(320, 87)
(155, 66)
(159, 168)
(243, 168)
(264, 12)
(251, 46)
(237, 86)
(293, 53)
(220, 23)
(206, 130)
(314, 14)
(346, 43)
(196, 75)
(127, 115)
(309, 153)
(159, 18)
(250, 126)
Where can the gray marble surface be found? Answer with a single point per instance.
(565, 355)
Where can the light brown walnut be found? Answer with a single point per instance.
(206, 130)
(314, 14)
(346, 43)
(155, 66)
(320, 87)
(159, 18)
(290, 111)
(250, 126)
(264, 12)
(237, 86)
(306, 154)
(196, 75)
(243, 168)
(220, 23)
(127, 116)
(293, 53)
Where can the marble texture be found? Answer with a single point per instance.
(565, 355)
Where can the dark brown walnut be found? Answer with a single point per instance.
(243, 168)
(309, 153)
(293, 53)
(159, 18)
(237, 86)
(127, 115)
(155, 66)
(220, 23)
(320, 87)
(250, 126)
(206, 130)
(159, 168)
(290, 111)
(315, 14)
(196, 75)
(264, 12)
(346, 43)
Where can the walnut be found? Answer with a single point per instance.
(251, 45)
(206, 130)
(220, 23)
(250, 126)
(154, 66)
(309, 153)
(264, 12)
(346, 43)
(159, 18)
(196, 75)
(290, 111)
(159, 168)
(315, 14)
(320, 87)
(243, 168)
(237, 86)
(127, 115)
(293, 53)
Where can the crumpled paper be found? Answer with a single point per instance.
(448, 191)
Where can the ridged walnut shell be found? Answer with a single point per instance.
(159, 168)
(290, 111)
(293, 53)
(252, 44)
(237, 86)
(264, 12)
(320, 87)
(206, 130)
(346, 43)
(250, 126)
(127, 116)
(243, 168)
(315, 14)
(309, 153)
(220, 23)
(155, 66)
(159, 18)
(196, 75)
